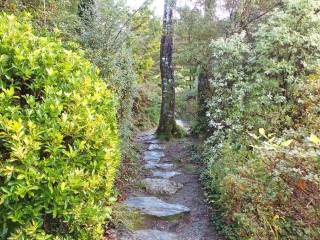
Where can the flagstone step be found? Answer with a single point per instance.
(161, 186)
(155, 207)
(165, 175)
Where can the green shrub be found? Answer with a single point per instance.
(270, 192)
(58, 139)
(267, 187)
(146, 107)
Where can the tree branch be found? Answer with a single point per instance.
(128, 20)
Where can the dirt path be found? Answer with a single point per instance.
(169, 197)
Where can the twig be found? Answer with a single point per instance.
(128, 20)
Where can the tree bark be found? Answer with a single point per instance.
(204, 94)
(204, 88)
(167, 124)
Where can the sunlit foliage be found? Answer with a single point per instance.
(58, 138)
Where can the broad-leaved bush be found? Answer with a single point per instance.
(263, 150)
(58, 138)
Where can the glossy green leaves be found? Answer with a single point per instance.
(58, 138)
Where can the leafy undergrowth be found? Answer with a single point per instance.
(146, 108)
(186, 104)
(262, 153)
(58, 139)
(270, 192)
(129, 171)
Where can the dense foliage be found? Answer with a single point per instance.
(251, 81)
(263, 150)
(57, 128)
(124, 45)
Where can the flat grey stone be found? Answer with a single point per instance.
(153, 141)
(155, 207)
(153, 156)
(154, 235)
(155, 146)
(165, 175)
(147, 137)
(152, 159)
(161, 186)
(149, 234)
(163, 166)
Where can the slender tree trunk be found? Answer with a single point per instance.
(167, 124)
(204, 89)
(204, 93)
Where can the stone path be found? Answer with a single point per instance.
(170, 200)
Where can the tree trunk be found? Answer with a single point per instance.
(204, 89)
(204, 93)
(167, 124)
